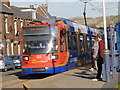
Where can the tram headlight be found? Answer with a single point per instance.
(54, 57)
(25, 58)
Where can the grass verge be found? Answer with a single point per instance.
(118, 85)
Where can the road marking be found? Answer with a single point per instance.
(25, 86)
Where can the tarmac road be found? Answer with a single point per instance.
(11, 74)
(15, 78)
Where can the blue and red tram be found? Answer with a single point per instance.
(53, 48)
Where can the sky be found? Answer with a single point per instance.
(72, 8)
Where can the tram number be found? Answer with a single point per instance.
(38, 56)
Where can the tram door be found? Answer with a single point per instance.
(82, 50)
(63, 47)
(72, 49)
(79, 49)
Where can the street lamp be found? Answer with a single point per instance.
(84, 13)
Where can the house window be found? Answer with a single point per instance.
(15, 27)
(6, 25)
(1, 52)
(21, 23)
(8, 53)
(12, 49)
(18, 49)
(34, 15)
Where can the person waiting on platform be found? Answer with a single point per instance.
(100, 59)
(95, 54)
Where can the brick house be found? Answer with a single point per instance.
(12, 18)
(20, 19)
(6, 19)
(11, 21)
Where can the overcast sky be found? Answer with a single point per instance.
(72, 8)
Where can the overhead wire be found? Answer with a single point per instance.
(99, 10)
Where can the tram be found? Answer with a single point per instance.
(53, 48)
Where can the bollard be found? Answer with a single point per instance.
(103, 72)
(114, 64)
(107, 65)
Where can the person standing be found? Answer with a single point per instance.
(100, 59)
(95, 49)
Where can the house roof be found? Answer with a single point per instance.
(29, 11)
(5, 9)
(26, 8)
(18, 13)
(15, 11)
(46, 14)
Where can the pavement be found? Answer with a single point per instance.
(77, 78)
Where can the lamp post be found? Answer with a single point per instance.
(84, 13)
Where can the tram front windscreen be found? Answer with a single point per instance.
(40, 40)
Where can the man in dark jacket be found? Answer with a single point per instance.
(100, 59)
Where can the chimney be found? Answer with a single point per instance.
(45, 7)
(7, 2)
(30, 6)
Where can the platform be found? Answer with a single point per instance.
(76, 78)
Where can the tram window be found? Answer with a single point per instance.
(63, 41)
(81, 43)
(73, 42)
(61, 45)
(88, 43)
(69, 41)
(54, 31)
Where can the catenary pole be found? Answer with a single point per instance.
(105, 28)
(106, 51)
